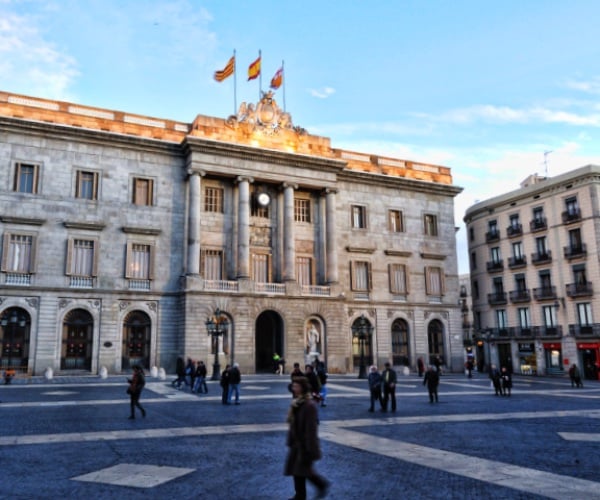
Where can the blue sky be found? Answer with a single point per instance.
(482, 87)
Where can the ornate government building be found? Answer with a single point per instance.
(126, 238)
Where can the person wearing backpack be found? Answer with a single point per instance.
(136, 384)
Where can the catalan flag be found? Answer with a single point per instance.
(227, 71)
(254, 69)
(277, 79)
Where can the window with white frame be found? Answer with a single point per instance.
(430, 225)
(549, 314)
(395, 223)
(143, 191)
(584, 314)
(495, 255)
(302, 210)
(501, 319)
(359, 217)
(18, 253)
(517, 249)
(524, 317)
(261, 267)
(82, 257)
(26, 178)
(140, 261)
(86, 185)
(434, 281)
(360, 276)
(213, 199)
(398, 283)
(211, 263)
(304, 270)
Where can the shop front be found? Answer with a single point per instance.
(589, 359)
(527, 359)
(554, 358)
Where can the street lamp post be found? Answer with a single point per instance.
(363, 330)
(216, 327)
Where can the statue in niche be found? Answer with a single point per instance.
(312, 339)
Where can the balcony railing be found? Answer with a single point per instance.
(572, 215)
(321, 291)
(580, 289)
(139, 284)
(18, 279)
(495, 266)
(221, 285)
(81, 282)
(517, 296)
(274, 288)
(541, 257)
(497, 298)
(544, 293)
(547, 331)
(515, 262)
(514, 230)
(592, 330)
(522, 332)
(572, 252)
(538, 224)
(492, 236)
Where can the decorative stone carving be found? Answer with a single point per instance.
(33, 302)
(152, 306)
(62, 303)
(124, 304)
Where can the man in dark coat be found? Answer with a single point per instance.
(388, 381)
(235, 377)
(303, 441)
(375, 387)
(136, 384)
(432, 380)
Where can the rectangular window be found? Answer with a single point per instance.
(430, 225)
(579, 275)
(514, 221)
(572, 206)
(213, 199)
(82, 257)
(302, 210)
(143, 191)
(140, 261)
(501, 319)
(473, 260)
(360, 276)
(18, 253)
(584, 314)
(434, 281)
(211, 263)
(498, 286)
(495, 255)
(475, 289)
(538, 215)
(545, 279)
(520, 283)
(549, 313)
(87, 185)
(524, 317)
(359, 217)
(261, 267)
(493, 227)
(575, 242)
(540, 245)
(304, 271)
(26, 178)
(398, 279)
(395, 224)
(517, 249)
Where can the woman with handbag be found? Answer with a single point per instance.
(136, 384)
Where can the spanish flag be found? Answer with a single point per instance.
(227, 71)
(254, 69)
(277, 79)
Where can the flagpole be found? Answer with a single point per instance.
(283, 76)
(234, 83)
(259, 75)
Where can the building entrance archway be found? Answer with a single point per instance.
(268, 339)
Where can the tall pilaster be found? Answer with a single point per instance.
(193, 257)
(243, 264)
(289, 243)
(330, 237)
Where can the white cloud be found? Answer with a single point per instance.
(322, 93)
(588, 86)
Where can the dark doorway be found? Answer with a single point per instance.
(136, 340)
(77, 341)
(435, 338)
(505, 357)
(15, 325)
(268, 340)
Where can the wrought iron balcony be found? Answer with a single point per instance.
(548, 331)
(492, 236)
(538, 224)
(541, 257)
(517, 296)
(574, 251)
(514, 230)
(572, 215)
(580, 289)
(585, 331)
(515, 262)
(495, 266)
(544, 293)
(523, 332)
(497, 298)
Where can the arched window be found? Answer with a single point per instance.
(400, 346)
(366, 345)
(435, 337)
(78, 332)
(136, 340)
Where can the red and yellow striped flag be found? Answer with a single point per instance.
(277, 79)
(254, 69)
(227, 71)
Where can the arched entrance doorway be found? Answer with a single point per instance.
(78, 334)
(400, 349)
(362, 343)
(136, 340)
(16, 325)
(435, 338)
(268, 340)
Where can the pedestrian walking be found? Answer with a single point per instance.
(506, 381)
(322, 374)
(136, 384)
(575, 376)
(469, 367)
(315, 383)
(303, 441)
(496, 379)
(235, 378)
(420, 367)
(180, 371)
(375, 387)
(225, 384)
(389, 378)
(432, 381)
(200, 378)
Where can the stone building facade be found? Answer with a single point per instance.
(534, 268)
(123, 235)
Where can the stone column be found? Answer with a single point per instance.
(243, 264)
(289, 243)
(193, 257)
(330, 237)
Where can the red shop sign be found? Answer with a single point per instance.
(552, 346)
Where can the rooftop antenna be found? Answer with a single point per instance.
(546, 153)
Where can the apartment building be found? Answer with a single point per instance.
(129, 239)
(534, 264)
